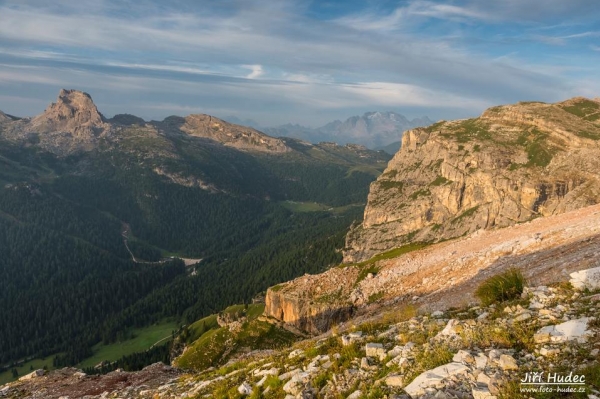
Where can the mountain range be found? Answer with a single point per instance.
(375, 130)
(476, 260)
(89, 206)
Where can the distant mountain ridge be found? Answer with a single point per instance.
(372, 129)
(88, 202)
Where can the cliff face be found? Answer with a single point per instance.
(512, 164)
(312, 304)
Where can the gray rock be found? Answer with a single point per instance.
(589, 278)
(245, 389)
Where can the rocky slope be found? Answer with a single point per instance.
(441, 275)
(470, 352)
(512, 164)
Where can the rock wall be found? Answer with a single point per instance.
(512, 164)
(310, 306)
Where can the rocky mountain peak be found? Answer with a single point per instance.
(4, 117)
(74, 112)
(512, 164)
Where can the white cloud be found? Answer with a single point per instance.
(257, 71)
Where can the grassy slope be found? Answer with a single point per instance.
(144, 339)
(216, 344)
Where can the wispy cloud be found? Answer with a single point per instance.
(442, 58)
(257, 71)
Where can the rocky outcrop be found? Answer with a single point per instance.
(512, 164)
(299, 304)
(445, 274)
(71, 124)
(4, 117)
(551, 335)
(240, 137)
(73, 112)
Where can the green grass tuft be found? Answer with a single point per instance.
(502, 287)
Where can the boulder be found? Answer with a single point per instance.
(434, 378)
(572, 330)
(589, 278)
(245, 389)
(507, 362)
(394, 380)
(375, 350)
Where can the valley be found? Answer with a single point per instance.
(213, 191)
(326, 271)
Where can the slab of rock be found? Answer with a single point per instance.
(507, 362)
(375, 350)
(589, 278)
(572, 330)
(482, 393)
(355, 395)
(434, 378)
(394, 380)
(297, 383)
(245, 389)
(33, 374)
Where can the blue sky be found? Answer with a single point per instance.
(299, 61)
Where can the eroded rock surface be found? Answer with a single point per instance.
(512, 164)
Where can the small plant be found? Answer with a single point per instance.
(502, 287)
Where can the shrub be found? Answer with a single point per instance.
(502, 287)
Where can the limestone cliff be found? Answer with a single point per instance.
(512, 164)
(309, 306)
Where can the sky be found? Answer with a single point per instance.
(297, 61)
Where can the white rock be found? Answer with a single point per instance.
(463, 357)
(494, 354)
(262, 381)
(355, 395)
(394, 380)
(523, 316)
(549, 352)
(296, 384)
(482, 393)
(296, 353)
(289, 374)
(572, 330)
(33, 374)
(483, 379)
(483, 316)
(589, 278)
(396, 351)
(508, 362)
(245, 389)
(364, 363)
(480, 361)
(375, 350)
(450, 329)
(434, 378)
(437, 314)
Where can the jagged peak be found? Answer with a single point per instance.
(4, 117)
(73, 108)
